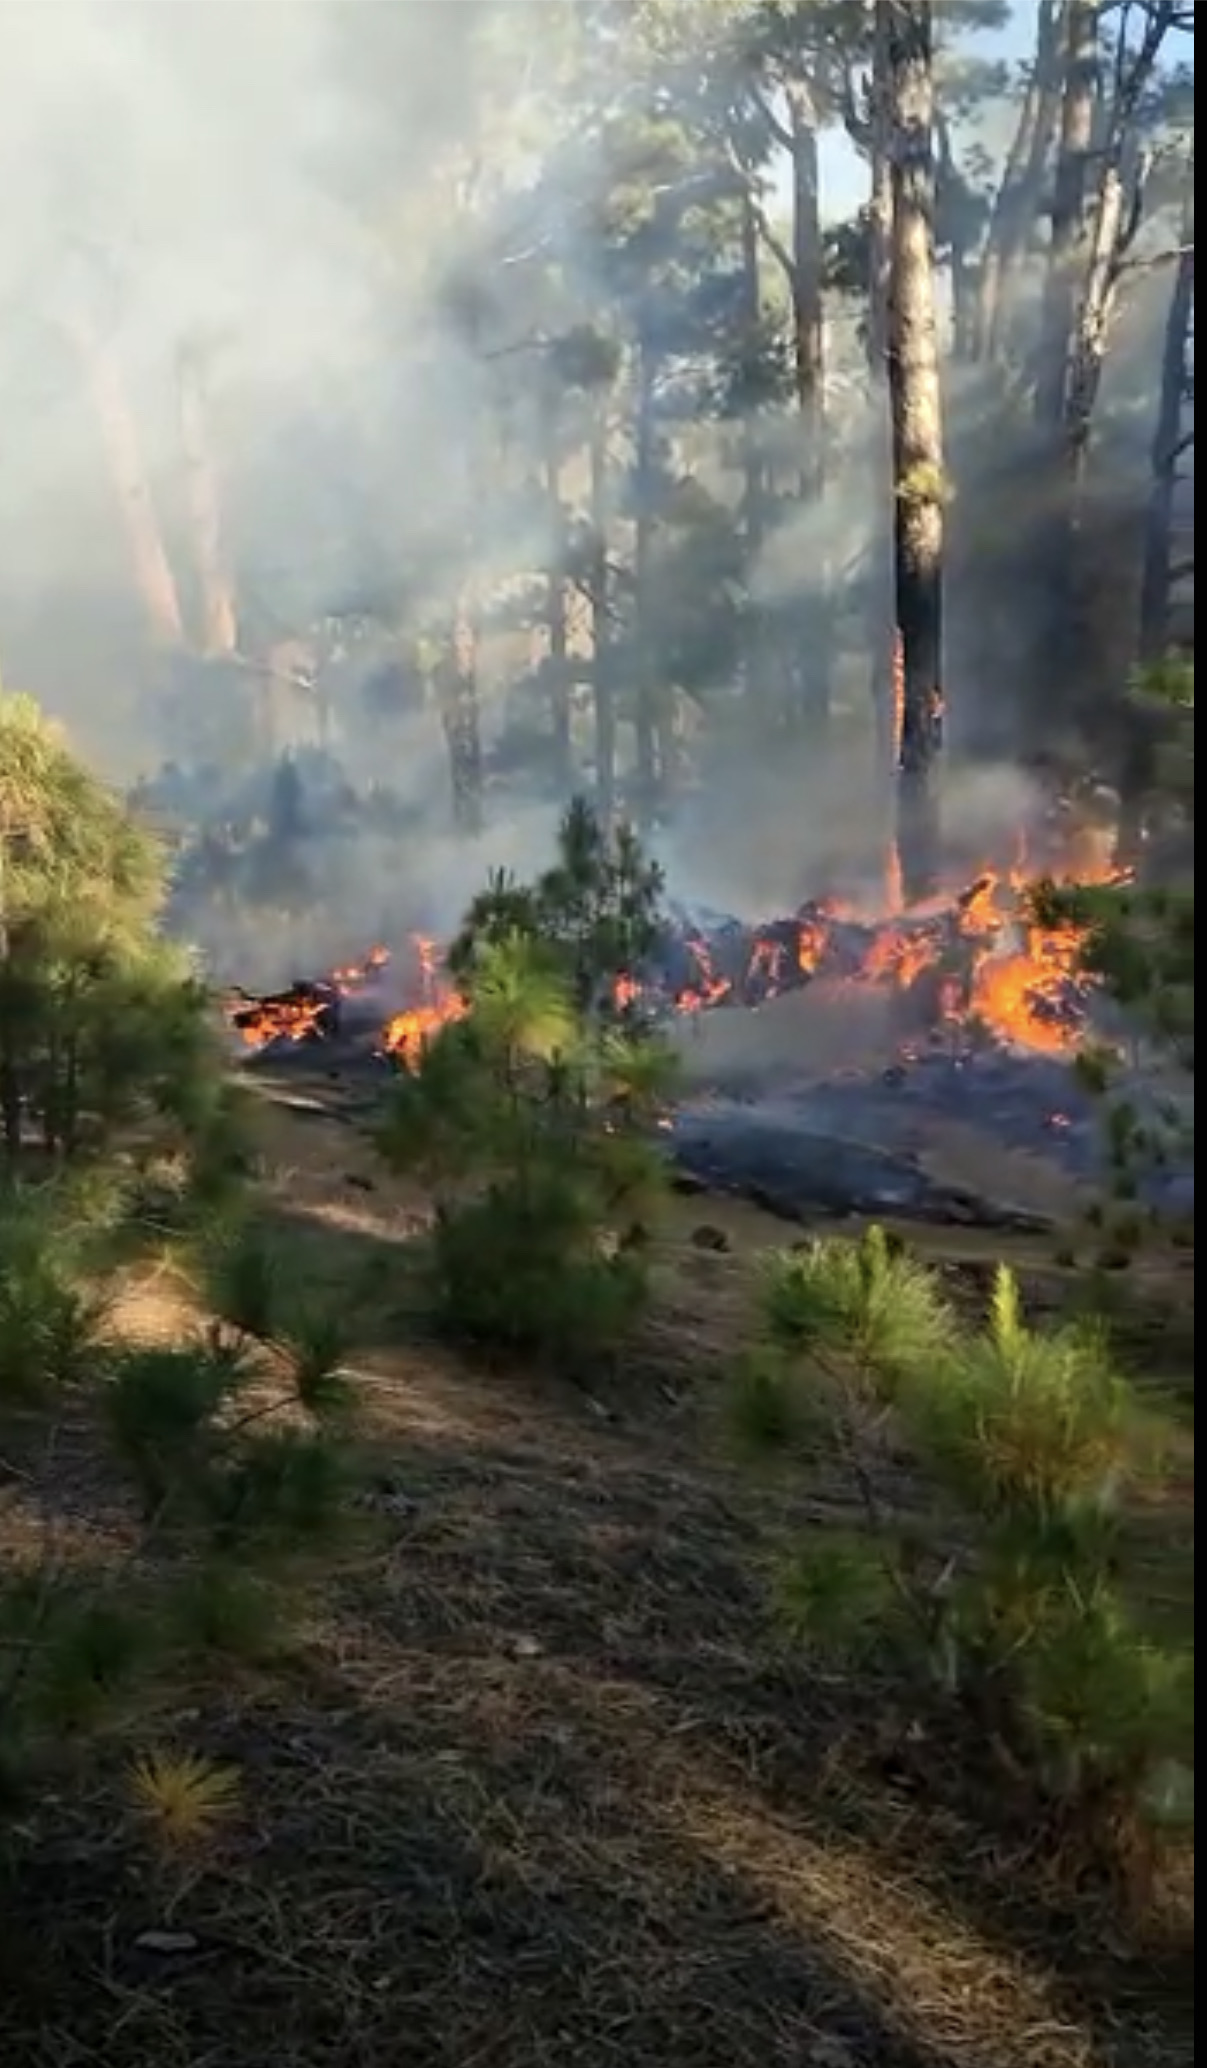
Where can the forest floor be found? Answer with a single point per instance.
(538, 1785)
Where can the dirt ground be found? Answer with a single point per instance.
(541, 1786)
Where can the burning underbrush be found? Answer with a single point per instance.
(974, 970)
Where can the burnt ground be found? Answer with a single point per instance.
(833, 1099)
(538, 1784)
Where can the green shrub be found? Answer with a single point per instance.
(1004, 1604)
(231, 1445)
(531, 1118)
(102, 1021)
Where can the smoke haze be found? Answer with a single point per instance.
(274, 187)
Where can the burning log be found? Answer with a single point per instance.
(305, 1011)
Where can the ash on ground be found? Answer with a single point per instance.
(857, 1140)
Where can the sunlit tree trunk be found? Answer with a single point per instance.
(880, 612)
(557, 667)
(219, 624)
(1020, 193)
(960, 241)
(1168, 564)
(1067, 251)
(602, 665)
(1165, 565)
(754, 472)
(647, 698)
(1115, 211)
(758, 657)
(1098, 210)
(122, 445)
(457, 676)
(807, 685)
(459, 712)
(808, 324)
(917, 420)
(808, 350)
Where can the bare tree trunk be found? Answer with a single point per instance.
(880, 612)
(918, 461)
(880, 200)
(1116, 210)
(459, 713)
(1020, 194)
(647, 697)
(1166, 569)
(959, 242)
(219, 619)
(808, 329)
(1088, 345)
(603, 678)
(1070, 210)
(808, 347)
(754, 473)
(802, 261)
(556, 620)
(1094, 225)
(758, 658)
(123, 451)
(1173, 448)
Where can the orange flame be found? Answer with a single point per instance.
(992, 964)
(406, 1034)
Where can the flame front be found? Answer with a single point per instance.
(979, 959)
(406, 1034)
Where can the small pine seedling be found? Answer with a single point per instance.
(182, 1797)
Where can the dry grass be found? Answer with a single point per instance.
(538, 1787)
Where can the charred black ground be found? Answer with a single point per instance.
(796, 1142)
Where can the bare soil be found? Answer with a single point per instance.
(540, 1784)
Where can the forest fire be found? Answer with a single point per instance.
(977, 969)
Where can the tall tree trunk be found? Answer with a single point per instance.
(457, 676)
(959, 261)
(215, 587)
(1172, 461)
(1094, 224)
(602, 665)
(1165, 566)
(1070, 210)
(557, 660)
(808, 351)
(647, 698)
(757, 656)
(151, 566)
(880, 612)
(1087, 350)
(754, 472)
(808, 324)
(459, 712)
(1053, 691)
(1020, 193)
(1115, 210)
(918, 470)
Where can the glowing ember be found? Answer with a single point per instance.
(978, 960)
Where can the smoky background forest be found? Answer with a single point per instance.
(418, 414)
